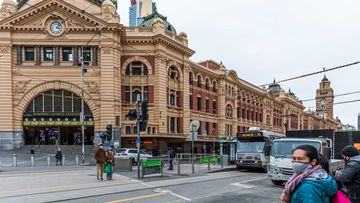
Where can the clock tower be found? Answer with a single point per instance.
(325, 97)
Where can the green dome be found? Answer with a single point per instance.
(148, 21)
(274, 87)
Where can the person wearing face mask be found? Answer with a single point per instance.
(310, 183)
(350, 176)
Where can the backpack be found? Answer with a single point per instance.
(340, 197)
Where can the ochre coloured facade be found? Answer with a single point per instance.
(41, 45)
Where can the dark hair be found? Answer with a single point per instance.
(310, 151)
(324, 163)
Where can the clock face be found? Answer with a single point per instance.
(322, 101)
(55, 27)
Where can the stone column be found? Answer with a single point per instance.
(76, 56)
(57, 56)
(37, 55)
(18, 55)
(160, 90)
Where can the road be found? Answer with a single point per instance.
(79, 185)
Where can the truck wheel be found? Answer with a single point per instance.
(277, 182)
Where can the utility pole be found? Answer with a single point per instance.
(82, 106)
(138, 136)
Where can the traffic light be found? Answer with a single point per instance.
(109, 132)
(144, 110)
(132, 115)
(103, 137)
(143, 125)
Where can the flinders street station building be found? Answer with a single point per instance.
(42, 43)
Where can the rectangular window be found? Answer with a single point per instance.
(135, 130)
(58, 102)
(48, 101)
(178, 98)
(214, 130)
(199, 103)
(48, 54)
(172, 125)
(191, 102)
(207, 128)
(200, 128)
(29, 54)
(214, 107)
(136, 71)
(87, 54)
(127, 93)
(67, 101)
(39, 103)
(67, 54)
(146, 93)
(128, 130)
(207, 105)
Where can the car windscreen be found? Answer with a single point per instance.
(121, 150)
(250, 147)
(283, 149)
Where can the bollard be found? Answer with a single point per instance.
(14, 160)
(208, 163)
(63, 160)
(77, 160)
(48, 160)
(32, 160)
(178, 164)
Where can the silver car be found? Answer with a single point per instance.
(131, 153)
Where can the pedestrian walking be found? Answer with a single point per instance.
(310, 183)
(32, 150)
(58, 156)
(171, 156)
(109, 166)
(350, 176)
(100, 157)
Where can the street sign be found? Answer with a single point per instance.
(194, 125)
(191, 135)
(137, 142)
(151, 167)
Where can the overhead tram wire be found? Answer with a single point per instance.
(338, 95)
(346, 102)
(313, 73)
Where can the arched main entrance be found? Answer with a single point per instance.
(53, 117)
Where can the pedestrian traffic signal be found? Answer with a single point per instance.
(132, 115)
(109, 132)
(144, 110)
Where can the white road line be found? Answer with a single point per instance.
(147, 185)
(252, 180)
(179, 196)
(242, 185)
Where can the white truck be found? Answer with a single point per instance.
(280, 169)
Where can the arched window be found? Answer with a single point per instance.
(173, 73)
(199, 81)
(59, 101)
(207, 84)
(136, 93)
(136, 68)
(228, 111)
(191, 78)
(214, 87)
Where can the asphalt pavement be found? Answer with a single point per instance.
(80, 185)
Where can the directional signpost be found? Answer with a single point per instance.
(194, 126)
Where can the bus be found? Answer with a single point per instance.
(253, 148)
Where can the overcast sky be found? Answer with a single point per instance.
(266, 39)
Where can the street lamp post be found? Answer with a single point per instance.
(82, 107)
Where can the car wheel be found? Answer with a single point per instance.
(277, 182)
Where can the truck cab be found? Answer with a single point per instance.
(280, 167)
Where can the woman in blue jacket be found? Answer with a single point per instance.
(310, 183)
